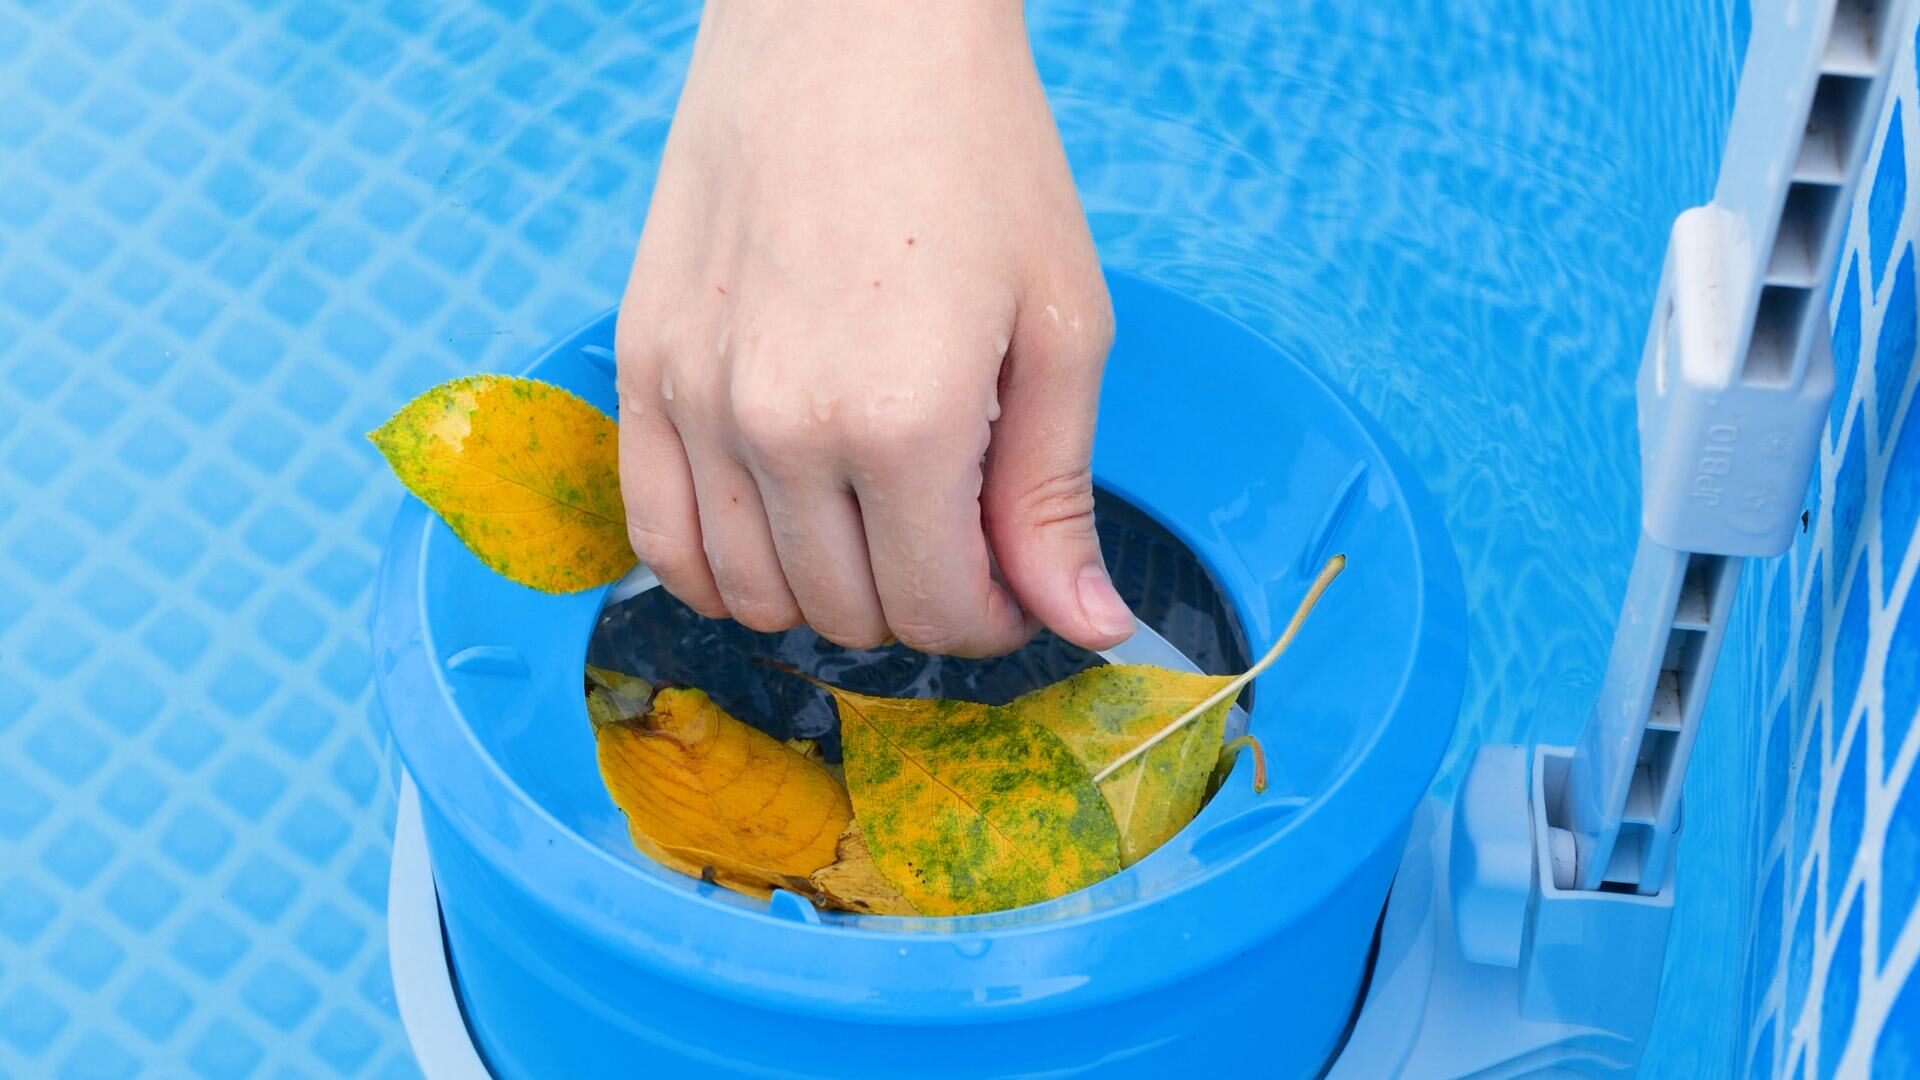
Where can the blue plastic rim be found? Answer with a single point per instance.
(1242, 942)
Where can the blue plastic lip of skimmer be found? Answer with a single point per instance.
(723, 947)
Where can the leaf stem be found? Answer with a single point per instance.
(1226, 693)
(1259, 752)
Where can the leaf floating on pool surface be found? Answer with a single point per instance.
(941, 807)
(1103, 712)
(613, 696)
(968, 809)
(716, 799)
(525, 473)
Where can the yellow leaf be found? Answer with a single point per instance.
(1103, 712)
(526, 474)
(969, 809)
(854, 882)
(716, 799)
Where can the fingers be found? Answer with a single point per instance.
(739, 543)
(1038, 497)
(656, 484)
(823, 550)
(921, 513)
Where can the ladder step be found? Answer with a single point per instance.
(1835, 122)
(1692, 611)
(1629, 856)
(1852, 44)
(1641, 803)
(1665, 714)
(1847, 54)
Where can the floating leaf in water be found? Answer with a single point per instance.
(969, 809)
(948, 807)
(1151, 736)
(613, 696)
(1328, 572)
(854, 881)
(1103, 712)
(713, 798)
(525, 473)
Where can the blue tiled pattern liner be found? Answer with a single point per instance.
(235, 234)
(233, 237)
(1832, 680)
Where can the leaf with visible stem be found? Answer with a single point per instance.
(968, 809)
(1232, 687)
(1102, 712)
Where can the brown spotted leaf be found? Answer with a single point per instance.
(969, 809)
(714, 798)
(526, 474)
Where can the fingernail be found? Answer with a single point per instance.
(1102, 606)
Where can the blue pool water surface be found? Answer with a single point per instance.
(234, 236)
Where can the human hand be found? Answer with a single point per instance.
(860, 348)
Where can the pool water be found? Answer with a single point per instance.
(234, 236)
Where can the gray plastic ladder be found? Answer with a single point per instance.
(1733, 393)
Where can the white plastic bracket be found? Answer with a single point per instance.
(1726, 442)
(1733, 390)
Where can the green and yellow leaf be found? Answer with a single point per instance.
(525, 473)
(968, 809)
(1103, 712)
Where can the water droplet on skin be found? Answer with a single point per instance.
(1075, 322)
(1054, 314)
(666, 386)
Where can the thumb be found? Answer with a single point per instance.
(1037, 495)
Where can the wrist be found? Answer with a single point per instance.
(829, 30)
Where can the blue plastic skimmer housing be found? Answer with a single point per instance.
(1243, 942)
